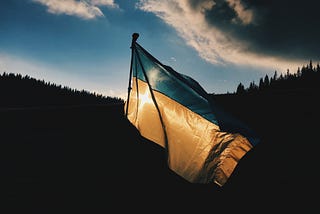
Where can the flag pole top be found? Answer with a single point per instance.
(135, 37)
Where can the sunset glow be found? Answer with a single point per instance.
(86, 44)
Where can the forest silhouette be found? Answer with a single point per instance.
(305, 79)
(23, 91)
(70, 151)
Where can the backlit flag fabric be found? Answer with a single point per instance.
(172, 110)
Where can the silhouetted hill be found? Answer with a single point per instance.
(304, 80)
(22, 91)
(90, 159)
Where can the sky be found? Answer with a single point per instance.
(85, 44)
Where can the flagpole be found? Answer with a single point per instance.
(134, 39)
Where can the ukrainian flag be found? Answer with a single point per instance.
(173, 110)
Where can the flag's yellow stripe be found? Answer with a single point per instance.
(197, 149)
(143, 114)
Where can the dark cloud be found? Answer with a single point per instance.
(221, 13)
(287, 28)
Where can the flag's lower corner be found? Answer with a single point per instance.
(220, 168)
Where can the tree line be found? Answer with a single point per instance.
(18, 90)
(306, 78)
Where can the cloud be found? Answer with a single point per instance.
(86, 9)
(244, 15)
(242, 32)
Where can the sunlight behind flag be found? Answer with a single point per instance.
(173, 111)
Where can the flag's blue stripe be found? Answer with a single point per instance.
(164, 79)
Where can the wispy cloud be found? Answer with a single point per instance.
(212, 44)
(86, 9)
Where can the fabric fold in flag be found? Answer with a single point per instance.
(174, 111)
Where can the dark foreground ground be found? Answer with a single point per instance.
(89, 159)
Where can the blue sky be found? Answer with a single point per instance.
(220, 43)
